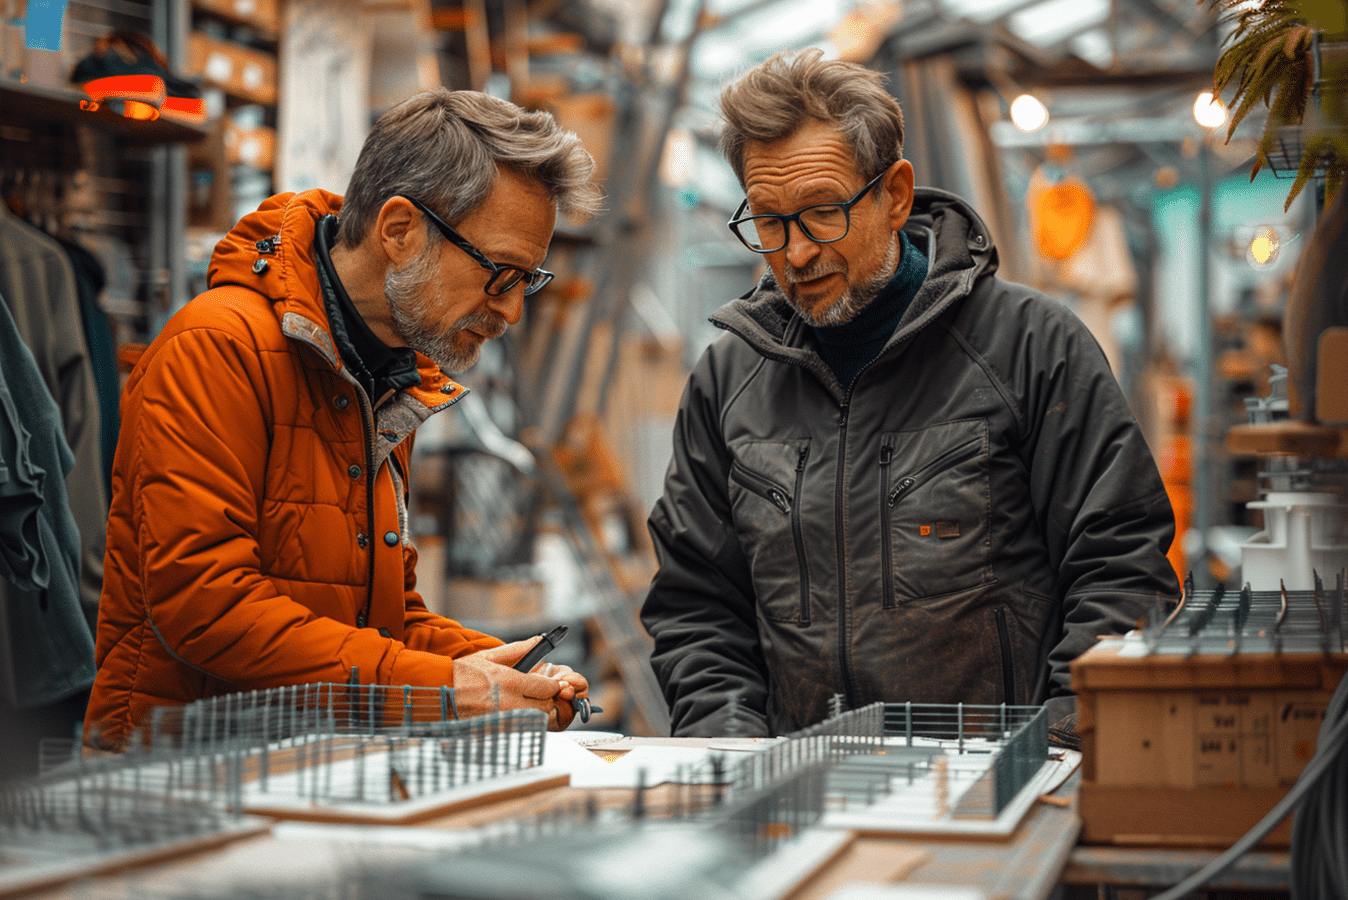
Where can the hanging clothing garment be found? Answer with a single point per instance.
(89, 281)
(38, 285)
(46, 649)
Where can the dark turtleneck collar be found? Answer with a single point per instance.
(850, 347)
(379, 367)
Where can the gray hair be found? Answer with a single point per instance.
(776, 97)
(445, 148)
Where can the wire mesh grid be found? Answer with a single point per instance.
(300, 711)
(1288, 146)
(326, 763)
(1247, 621)
(97, 803)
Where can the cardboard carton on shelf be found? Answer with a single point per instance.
(241, 71)
(263, 15)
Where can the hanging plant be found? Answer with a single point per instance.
(1268, 59)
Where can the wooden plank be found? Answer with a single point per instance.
(1166, 816)
(1291, 437)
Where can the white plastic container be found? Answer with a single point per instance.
(1303, 533)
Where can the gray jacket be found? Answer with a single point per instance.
(957, 525)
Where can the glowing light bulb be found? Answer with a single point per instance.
(1028, 114)
(1264, 246)
(1209, 111)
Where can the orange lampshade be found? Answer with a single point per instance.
(1062, 218)
(142, 88)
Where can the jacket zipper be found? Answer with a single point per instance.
(367, 418)
(798, 534)
(844, 626)
(1008, 669)
(947, 460)
(760, 486)
(887, 601)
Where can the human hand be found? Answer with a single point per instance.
(548, 687)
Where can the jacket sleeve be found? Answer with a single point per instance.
(700, 608)
(200, 449)
(424, 630)
(1096, 490)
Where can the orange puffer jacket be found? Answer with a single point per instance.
(259, 508)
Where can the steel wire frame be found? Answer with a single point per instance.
(339, 743)
(91, 804)
(1302, 621)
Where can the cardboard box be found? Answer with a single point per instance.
(1194, 751)
(254, 147)
(261, 14)
(239, 70)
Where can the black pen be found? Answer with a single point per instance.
(542, 648)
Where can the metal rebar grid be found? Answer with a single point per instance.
(260, 718)
(960, 727)
(759, 821)
(96, 804)
(852, 733)
(327, 763)
(1231, 622)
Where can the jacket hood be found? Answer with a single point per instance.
(271, 251)
(942, 225)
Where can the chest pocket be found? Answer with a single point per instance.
(935, 511)
(766, 479)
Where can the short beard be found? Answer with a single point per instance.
(855, 297)
(409, 303)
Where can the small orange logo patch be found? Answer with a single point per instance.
(924, 530)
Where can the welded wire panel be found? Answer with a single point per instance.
(259, 718)
(91, 814)
(956, 724)
(1230, 622)
(392, 768)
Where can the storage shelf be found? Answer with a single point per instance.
(32, 104)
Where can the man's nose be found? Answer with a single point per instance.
(800, 250)
(510, 305)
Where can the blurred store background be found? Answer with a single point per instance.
(1084, 131)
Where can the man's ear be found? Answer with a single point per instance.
(898, 184)
(399, 230)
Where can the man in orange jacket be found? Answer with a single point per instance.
(258, 532)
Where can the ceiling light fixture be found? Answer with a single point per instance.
(1209, 111)
(1028, 114)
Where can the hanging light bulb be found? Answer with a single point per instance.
(1209, 111)
(1262, 251)
(1028, 114)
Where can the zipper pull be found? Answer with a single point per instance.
(780, 500)
(886, 455)
(901, 488)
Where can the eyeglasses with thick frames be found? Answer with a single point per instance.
(504, 276)
(823, 224)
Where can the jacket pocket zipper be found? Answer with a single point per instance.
(761, 486)
(947, 460)
(888, 600)
(798, 534)
(1008, 666)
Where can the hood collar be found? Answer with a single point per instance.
(942, 225)
(271, 251)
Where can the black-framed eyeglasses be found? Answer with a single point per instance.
(504, 276)
(823, 223)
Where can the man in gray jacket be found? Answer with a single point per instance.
(896, 477)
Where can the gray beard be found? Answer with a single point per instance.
(408, 295)
(854, 298)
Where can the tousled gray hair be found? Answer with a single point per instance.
(776, 97)
(445, 148)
